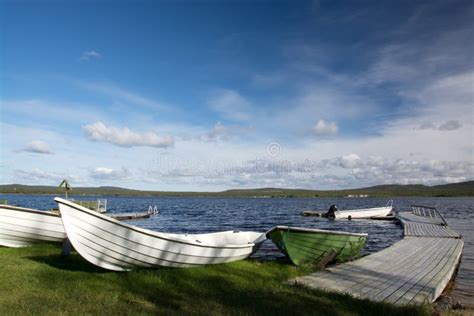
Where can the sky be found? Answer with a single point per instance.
(214, 95)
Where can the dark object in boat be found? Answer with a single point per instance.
(331, 213)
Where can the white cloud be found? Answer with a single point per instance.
(231, 105)
(324, 128)
(125, 137)
(349, 161)
(102, 173)
(90, 54)
(351, 170)
(401, 171)
(38, 147)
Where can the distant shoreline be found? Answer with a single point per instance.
(211, 195)
(463, 189)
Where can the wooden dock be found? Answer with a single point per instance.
(414, 270)
(130, 216)
(313, 213)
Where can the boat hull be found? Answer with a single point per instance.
(304, 245)
(21, 227)
(117, 246)
(364, 213)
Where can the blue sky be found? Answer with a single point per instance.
(211, 95)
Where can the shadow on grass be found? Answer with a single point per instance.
(247, 290)
(70, 263)
(247, 287)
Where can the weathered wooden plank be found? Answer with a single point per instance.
(401, 272)
(390, 256)
(424, 290)
(439, 278)
(389, 273)
(416, 277)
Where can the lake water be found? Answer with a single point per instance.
(198, 215)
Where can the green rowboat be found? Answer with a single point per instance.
(305, 245)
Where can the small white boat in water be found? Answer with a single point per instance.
(20, 227)
(114, 245)
(362, 213)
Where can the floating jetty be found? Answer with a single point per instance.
(152, 210)
(129, 216)
(321, 214)
(313, 213)
(414, 270)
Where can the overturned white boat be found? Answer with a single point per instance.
(114, 245)
(364, 213)
(20, 227)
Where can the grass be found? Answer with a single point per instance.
(37, 280)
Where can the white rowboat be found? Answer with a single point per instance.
(114, 245)
(366, 212)
(21, 227)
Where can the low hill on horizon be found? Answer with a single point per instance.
(452, 189)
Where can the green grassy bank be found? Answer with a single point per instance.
(37, 280)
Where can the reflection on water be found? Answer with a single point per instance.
(198, 215)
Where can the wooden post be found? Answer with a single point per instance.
(328, 257)
(66, 186)
(66, 250)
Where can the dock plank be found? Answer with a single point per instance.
(439, 279)
(393, 281)
(414, 270)
(419, 276)
(418, 226)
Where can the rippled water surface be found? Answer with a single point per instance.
(198, 214)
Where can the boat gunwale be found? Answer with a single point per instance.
(28, 210)
(151, 233)
(314, 230)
